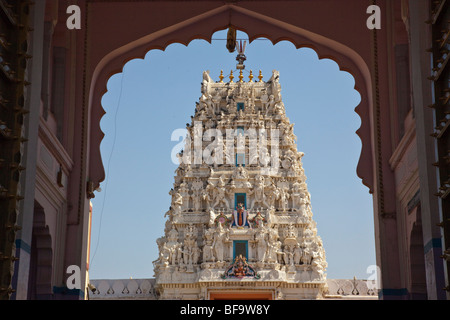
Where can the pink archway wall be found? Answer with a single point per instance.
(116, 32)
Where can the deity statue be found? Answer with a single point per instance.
(184, 192)
(206, 82)
(220, 237)
(207, 198)
(240, 217)
(208, 254)
(197, 188)
(272, 193)
(177, 201)
(261, 240)
(216, 102)
(270, 104)
(259, 196)
(297, 196)
(173, 234)
(283, 196)
(297, 254)
(264, 100)
(220, 197)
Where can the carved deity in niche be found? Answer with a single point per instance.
(206, 82)
(297, 196)
(283, 196)
(259, 196)
(197, 188)
(220, 194)
(184, 192)
(297, 254)
(220, 237)
(191, 251)
(240, 216)
(216, 102)
(177, 201)
(261, 242)
(270, 104)
(264, 100)
(208, 250)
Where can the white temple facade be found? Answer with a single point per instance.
(240, 224)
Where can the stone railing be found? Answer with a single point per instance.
(120, 289)
(350, 289)
(143, 289)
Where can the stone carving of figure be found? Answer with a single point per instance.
(221, 195)
(212, 217)
(288, 159)
(280, 254)
(197, 188)
(264, 155)
(273, 238)
(297, 254)
(188, 171)
(207, 198)
(272, 193)
(283, 196)
(318, 260)
(216, 102)
(259, 196)
(220, 236)
(270, 216)
(208, 103)
(231, 106)
(271, 252)
(165, 255)
(297, 196)
(184, 192)
(270, 104)
(228, 150)
(276, 88)
(278, 108)
(307, 256)
(264, 101)
(290, 232)
(208, 254)
(179, 253)
(250, 105)
(288, 134)
(240, 173)
(195, 254)
(261, 240)
(288, 255)
(206, 82)
(190, 251)
(173, 234)
(177, 201)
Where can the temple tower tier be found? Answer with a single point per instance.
(240, 222)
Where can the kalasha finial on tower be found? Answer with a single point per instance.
(241, 56)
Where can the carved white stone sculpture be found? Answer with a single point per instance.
(257, 211)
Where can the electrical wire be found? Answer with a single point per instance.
(109, 163)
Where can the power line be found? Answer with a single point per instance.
(109, 163)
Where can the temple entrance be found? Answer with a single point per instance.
(241, 296)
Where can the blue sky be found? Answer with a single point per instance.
(156, 95)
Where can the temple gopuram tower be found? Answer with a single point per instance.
(240, 223)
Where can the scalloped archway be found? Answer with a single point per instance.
(255, 25)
